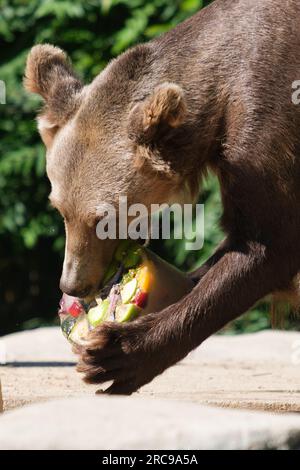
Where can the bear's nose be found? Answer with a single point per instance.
(73, 290)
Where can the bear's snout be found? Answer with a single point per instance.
(74, 289)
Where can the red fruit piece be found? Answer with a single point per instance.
(76, 309)
(141, 299)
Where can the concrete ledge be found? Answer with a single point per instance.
(135, 423)
(35, 346)
(49, 345)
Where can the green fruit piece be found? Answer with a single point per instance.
(127, 312)
(80, 330)
(67, 325)
(111, 271)
(127, 277)
(98, 314)
(128, 291)
(122, 249)
(133, 257)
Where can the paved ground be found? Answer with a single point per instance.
(258, 371)
(253, 372)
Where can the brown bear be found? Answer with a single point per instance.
(215, 93)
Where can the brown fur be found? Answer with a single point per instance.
(49, 73)
(213, 93)
(165, 105)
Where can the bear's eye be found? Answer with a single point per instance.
(56, 205)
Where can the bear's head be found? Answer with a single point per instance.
(121, 135)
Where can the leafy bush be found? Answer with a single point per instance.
(92, 32)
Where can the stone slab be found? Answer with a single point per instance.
(139, 423)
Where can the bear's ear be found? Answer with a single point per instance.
(49, 73)
(164, 109)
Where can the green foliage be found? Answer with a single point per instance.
(92, 32)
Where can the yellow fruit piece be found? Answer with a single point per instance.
(145, 278)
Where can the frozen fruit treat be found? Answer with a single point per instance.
(137, 282)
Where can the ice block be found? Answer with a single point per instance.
(137, 282)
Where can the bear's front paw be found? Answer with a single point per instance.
(127, 353)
